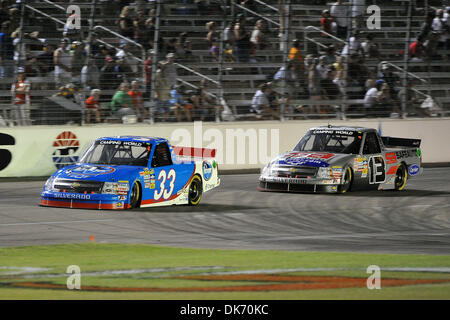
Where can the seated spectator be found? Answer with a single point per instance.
(390, 78)
(371, 96)
(138, 101)
(413, 100)
(370, 49)
(44, 60)
(214, 50)
(386, 102)
(183, 49)
(128, 61)
(90, 75)
(261, 104)
(171, 69)
(204, 104)
(354, 46)
(78, 59)
(93, 107)
(108, 79)
(126, 27)
(121, 103)
(286, 79)
(178, 105)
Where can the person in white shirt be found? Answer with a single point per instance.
(371, 97)
(358, 10)
(440, 25)
(340, 13)
(260, 103)
(63, 64)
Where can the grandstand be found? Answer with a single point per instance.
(37, 27)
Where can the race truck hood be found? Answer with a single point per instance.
(101, 173)
(310, 159)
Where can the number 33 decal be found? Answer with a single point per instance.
(162, 177)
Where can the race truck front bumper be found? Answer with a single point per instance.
(298, 184)
(82, 200)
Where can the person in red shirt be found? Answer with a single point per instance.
(326, 22)
(138, 101)
(93, 106)
(416, 49)
(20, 91)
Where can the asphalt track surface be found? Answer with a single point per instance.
(237, 216)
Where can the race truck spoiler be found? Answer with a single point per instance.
(400, 142)
(194, 152)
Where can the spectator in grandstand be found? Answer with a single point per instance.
(20, 91)
(70, 30)
(242, 44)
(78, 59)
(413, 100)
(358, 10)
(108, 78)
(93, 107)
(44, 60)
(329, 88)
(431, 46)
(440, 26)
(162, 90)
(183, 49)
(258, 38)
(4, 11)
(7, 51)
(426, 26)
(203, 103)
(94, 48)
(171, 45)
(63, 64)
(371, 96)
(354, 45)
(326, 22)
(390, 78)
(340, 13)
(214, 50)
(213, 34)
(330, 55)
(261, 104)
(228, 35)
(285, 77)
(148, 66)
(416, 50)
(208, 7)
(322, 67)
(90, 75)
(339, 74)
(296, 57)
(138, 101)
(178, 105)
(121, 103)
(126, 26)
(127, 60)
(369, 48)
(140, 30)
(315, 92)
(357, 71)
(386, 102)
(171, 69)
(250, 4)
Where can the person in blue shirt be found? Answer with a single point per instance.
(178, 105)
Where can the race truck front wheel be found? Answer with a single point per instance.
(400, 177)
(195, 191)
(135, 196)
(347, 180)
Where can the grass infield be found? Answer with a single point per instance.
(122, 271)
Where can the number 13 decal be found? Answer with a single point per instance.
(162, 177)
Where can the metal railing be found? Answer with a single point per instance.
(234, 4)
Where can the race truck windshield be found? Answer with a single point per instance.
(336, 141)
(114, 152)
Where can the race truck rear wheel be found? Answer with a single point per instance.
(135, 196)
(347, 180)
(195, 191)
(400, 177)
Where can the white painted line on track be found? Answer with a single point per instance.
(53, 222)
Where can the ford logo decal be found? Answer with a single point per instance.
(414, 169)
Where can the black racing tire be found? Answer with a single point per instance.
(401, 176)
(135, 196)
(347, 178)
(195, 191)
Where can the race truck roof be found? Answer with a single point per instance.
(137, 139)
(343, 128)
